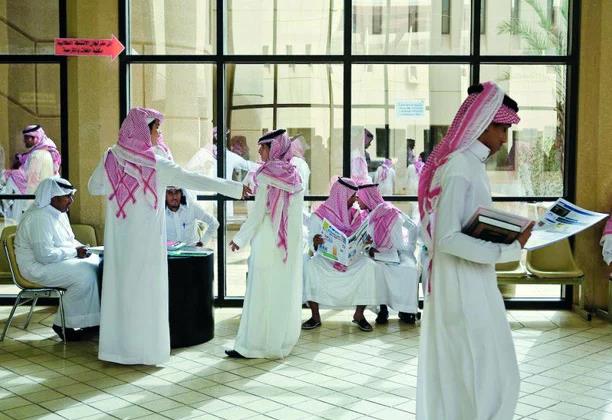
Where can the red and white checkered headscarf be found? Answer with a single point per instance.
(130, 165)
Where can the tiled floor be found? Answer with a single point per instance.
(335, 372)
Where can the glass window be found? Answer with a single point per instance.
(185, 94)
(236, 262)
(528, 291)
(28, 26)
(172, 27)
(29, 94)
(531, 163)
(284, 27)
(521, 27)
(305, 99)
(411, 27)
(408, 108)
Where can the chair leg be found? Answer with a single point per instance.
(62, 316)
(10, 318)
(34, 300)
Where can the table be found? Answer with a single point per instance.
(190, 297)
(190, 290)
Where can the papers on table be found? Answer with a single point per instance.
(186, 251)
(174, 245)
(341, 248)
(561, 221)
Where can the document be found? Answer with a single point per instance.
(389, 257)
(561, 221)
(340, 248)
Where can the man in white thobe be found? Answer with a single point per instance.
(205, 161)
(48, 254)
(606, 243)
(270, 322)
(133, 175)
(467, 364)
(40, 161)
(182, 215)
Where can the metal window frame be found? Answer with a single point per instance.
(474, 59)
(63, 66)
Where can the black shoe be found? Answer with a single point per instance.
(408, 318)
(363, 324)
(311, 324)
(71, 333)
(234, 354)
(383, 315)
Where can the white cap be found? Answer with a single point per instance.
(52, 187)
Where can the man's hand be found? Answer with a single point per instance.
(82, 252)
(233, 246)
(316, 241)
(246, 192)
(524, 236)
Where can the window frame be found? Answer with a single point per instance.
(474, 59)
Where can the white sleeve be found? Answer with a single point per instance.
(606, 252)
(211, 222)
(40, 166)
(41, 241)
(97, 181)
(171, 174)
(398, 240)
(314, 226)
(449, 238)
(242, 163)
(255, 218)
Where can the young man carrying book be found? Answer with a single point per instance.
(467, 364)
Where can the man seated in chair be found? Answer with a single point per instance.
(182, 215)
(387, 228)
(606, 243)
(48, 254)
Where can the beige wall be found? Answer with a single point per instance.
(594, 151)
(93, 103)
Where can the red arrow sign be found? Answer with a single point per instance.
(81, 46)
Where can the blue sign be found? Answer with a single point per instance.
(412, 108)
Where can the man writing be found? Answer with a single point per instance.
(182, 215)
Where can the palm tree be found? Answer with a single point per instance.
(547, 37)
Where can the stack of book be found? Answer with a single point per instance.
(495, 225)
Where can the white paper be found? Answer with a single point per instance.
(96, 249)
(561, 221)
(338, 247)
(391, 256)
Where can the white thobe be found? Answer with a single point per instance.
(204, 161)
(401, 280)
(329, 287)
(45, 249)
(304, 171)
(467, 364)
(606, 251)
(272, 311)
(134, 320)
(386, 187)
(181, 224)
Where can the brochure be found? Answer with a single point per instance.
(341, 248)
(561, 221)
